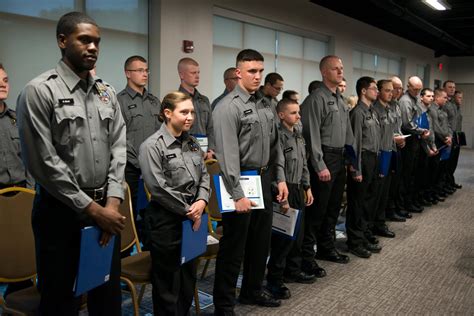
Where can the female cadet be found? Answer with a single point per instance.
(175, 174)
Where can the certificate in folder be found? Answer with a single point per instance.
(251, 184)
(95, 261)
(286, 224)
(384, 162)
(202, 141)
(193, 243)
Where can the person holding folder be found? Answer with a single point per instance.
(285, 254)
(246, 140)
(74, 144)
(175, 175)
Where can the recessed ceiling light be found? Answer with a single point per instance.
(439, 5)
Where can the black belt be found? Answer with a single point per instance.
(258, 170)
(335, 150)
(98, 194)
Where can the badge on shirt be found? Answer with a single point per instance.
(103, 93)
(170, 156)
(248, 112)
(330, 102)
(287, 150)
(193, 146)
(66, 101)
(132, 106)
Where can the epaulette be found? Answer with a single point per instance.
(52, 76)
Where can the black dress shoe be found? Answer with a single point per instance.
(442, 194)
(457, 186)
(396, 218)
(424, 202)
(448, 191)
(403, 213)
(303, 277)
(373, 248)
(414, 208)
(371, 238)
(279, 290)
(433, 200)
(360, 252)
(310, 270)
(262, 299)
(384, 232)
(333, 256)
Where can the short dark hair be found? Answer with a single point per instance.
(287, 94)
(313, 85)
(446, 82)
(229, 71)
(272, 78)
(363, 83)
(68, 22)
(424, 90)
(438, 92)
(455, 92)
(133, 58)
(1, 66)
(248, 55)
(283, 104)
(381, 83)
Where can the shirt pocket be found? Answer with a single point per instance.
(155, 113)
(106, 115)
(15, 138)
(175, 172)
(71, 124)
(250, 128)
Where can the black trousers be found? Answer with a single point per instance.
(246, 238)
(453, 164)
(173, 283)
(433, 171)
(410, 156)
(395, 200)
(57, 231)
(132, 176)
(360, 198)
(321, 217)
(382, 185)
(285, 253)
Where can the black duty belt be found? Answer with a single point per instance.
(98, 194)
(334, 150)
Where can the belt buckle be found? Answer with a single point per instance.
(98, 194)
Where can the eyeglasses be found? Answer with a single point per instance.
(373, 88)
(140, 70)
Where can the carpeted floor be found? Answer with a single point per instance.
(427, 269)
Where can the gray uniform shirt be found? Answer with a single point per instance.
(366, 128)
(246, 138)
(141, 114)
(440, 123)
(72, 139)
(452, 110)
(386, 129)
(410, 111)
(293, 147)
(174, 171)
(12, 170)
(395, 118)
(218, 99)
(203, 124)
(458, 126)
(325, 119)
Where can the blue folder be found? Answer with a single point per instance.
(193, 243)
(218, 188)
(422, 121)
(351, 155)
(295, 233)
(95, 261)
(444, 152)
(384, 162)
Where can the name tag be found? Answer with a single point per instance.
(248, 112)
(287, 150)
(66, 101)
(330, 102)
(170, 156)
(132, 106)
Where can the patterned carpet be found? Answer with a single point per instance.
(427, 269)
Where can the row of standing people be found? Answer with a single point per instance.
(84, 150)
